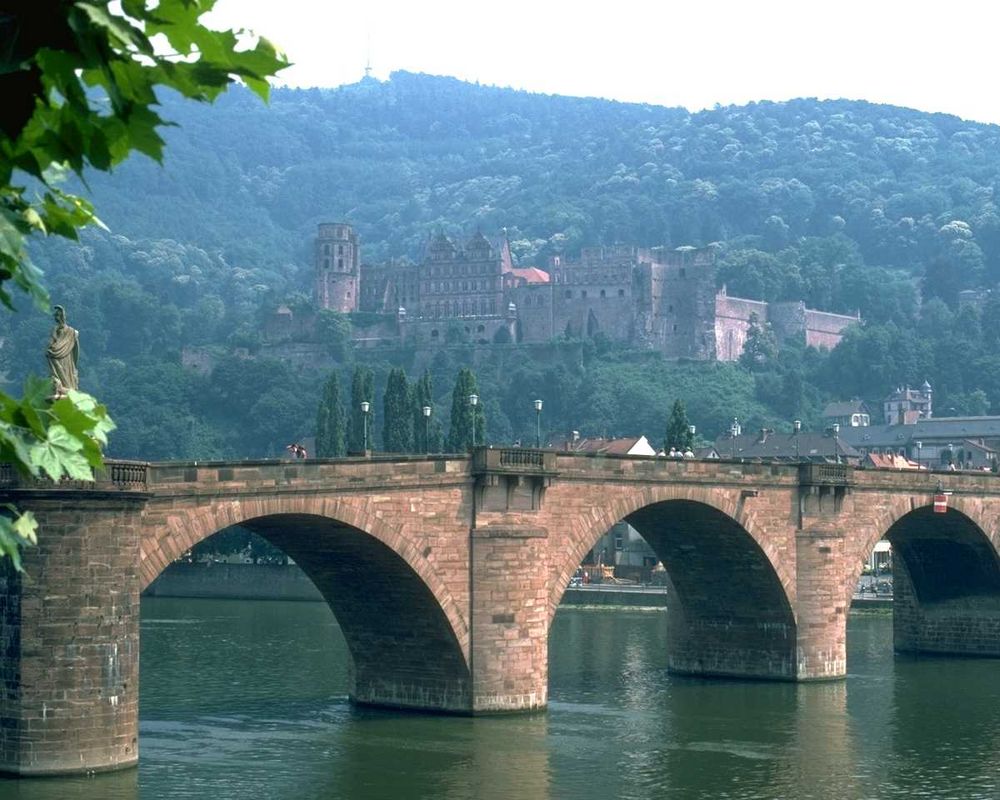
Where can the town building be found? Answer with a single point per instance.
(911, 434)
(905, 406)
(847, 414)
(658, 298)
(625, 446)
(768, 445)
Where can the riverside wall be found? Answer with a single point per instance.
(234, 582)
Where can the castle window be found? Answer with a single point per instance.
(340, 249)
(480, 328)
(326, 263)
(675, 329)
(670, 309)
(434, 333)
(326, 249)
(621, 292)
(493, 305)
(603, 293)
(683, 272)
(340, 263)
(583, 293)
(569, 292)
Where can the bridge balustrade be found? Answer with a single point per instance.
(512, 460)
(117, 475)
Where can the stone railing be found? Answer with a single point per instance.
(114, 475)
(825, 474)
(513, 460)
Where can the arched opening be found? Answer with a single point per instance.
(728, 613)
(403, 647)
(945, 585)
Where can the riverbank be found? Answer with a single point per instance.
(220, 581)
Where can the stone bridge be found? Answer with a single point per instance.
(445, 573)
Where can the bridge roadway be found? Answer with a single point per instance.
(445, 572)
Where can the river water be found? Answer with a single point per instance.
(248, 700)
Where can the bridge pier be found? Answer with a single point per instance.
(509, 619)
(821, 609)
(944, 603)
(69, 637)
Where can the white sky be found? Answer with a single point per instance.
(933, 56)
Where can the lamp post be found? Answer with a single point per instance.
(690, 442)
(365, 405)
(836, 440)
(734, 431)
(473, 402)
(427, 427)
(797, 426)
(538, 423)
(920, 446)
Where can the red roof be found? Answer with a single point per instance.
(531, 274)
(891, 461)
(610, 446)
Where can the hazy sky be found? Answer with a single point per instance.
(934, 56)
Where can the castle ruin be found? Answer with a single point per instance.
(657, 298)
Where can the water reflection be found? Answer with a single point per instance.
(106, 786)
(950, 709)
(248, 700)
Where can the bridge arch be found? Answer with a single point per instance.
(407, 636)
(731, 607)
(894, 518)
(946, 574)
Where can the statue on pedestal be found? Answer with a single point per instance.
(63, 353)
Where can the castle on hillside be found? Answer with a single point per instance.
(655, 298)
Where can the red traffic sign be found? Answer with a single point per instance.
(940, 504)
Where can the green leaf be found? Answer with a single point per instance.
(60, 454)
(122, 35)
(16, 531)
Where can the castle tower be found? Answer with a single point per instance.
(338, 267)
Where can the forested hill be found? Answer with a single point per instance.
(403, 157)
(846, 205)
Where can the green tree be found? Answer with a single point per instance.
(77, 81)
(334, 331)
(427, 434)
(330, 421)
(362, 391)
(464, 415)
(679, 436)
(397, 419)
(761, 346)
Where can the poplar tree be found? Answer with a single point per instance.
(679, 434)
(397, 418)
(427, 434)
(330, 421)
(362, 390)
(464, 415)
